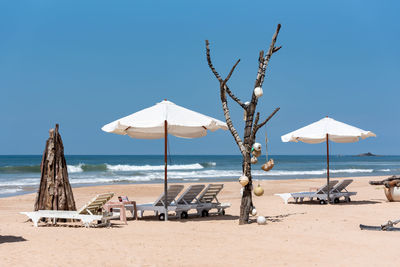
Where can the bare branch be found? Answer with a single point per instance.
(276, 49)
(223, 89)
(237, 100)
(257, 126)
(264, 63)
(229, 122)
(230, 73)
(269, 117)
(210, 63)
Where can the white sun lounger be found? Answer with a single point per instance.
(321, 194)
(158, 205)
(208, 200)
(90, 212)
(339, 190)
(187, 200)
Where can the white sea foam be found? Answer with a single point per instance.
(384, 170)
(75, 168)
(120, 167)
(9, 190)
(24, 181)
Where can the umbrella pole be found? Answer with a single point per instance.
(327, 163)
(165, 170)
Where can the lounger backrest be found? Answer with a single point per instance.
(324, 189)
(172, 191)
(190, 194)
(342, 185)
(210, 193)
(96, 204)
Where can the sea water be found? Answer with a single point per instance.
(21, 174)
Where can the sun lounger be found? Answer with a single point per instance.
(321, 194)
(208, 200)
(187, 200)
(339, 190)
(158, 205)
(90, 212)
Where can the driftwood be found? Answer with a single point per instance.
(55, 191)
(252, 124)
(388, 182)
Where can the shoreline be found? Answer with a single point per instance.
(197, 181)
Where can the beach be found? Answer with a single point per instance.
(295, 234)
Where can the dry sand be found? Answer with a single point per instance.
(295, 235)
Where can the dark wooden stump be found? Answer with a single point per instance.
(55, 191)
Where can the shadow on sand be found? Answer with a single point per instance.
(11, 239)
(277, 218)
(353, 202)
(194, 217)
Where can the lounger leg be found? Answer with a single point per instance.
(86, 222)
(122, 214)
(35, 219)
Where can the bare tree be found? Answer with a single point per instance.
(252, 124)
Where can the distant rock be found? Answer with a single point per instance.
(369, 154)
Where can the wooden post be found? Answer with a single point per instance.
(327, 163)
(165, 170)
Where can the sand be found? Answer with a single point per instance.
(295, 235)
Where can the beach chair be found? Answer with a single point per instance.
(89, 213)
(321, 194)
(339, 190)
(158, 205)
(208, 200)
(187, 200)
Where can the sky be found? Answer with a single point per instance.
(83, 64)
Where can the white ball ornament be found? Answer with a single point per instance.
(243, 180)
(258, 92)
(257, 146)
(261, 220)
(254, 212)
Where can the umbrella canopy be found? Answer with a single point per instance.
(337, 131)
(160, 120)
(149, 123)
(324, 130)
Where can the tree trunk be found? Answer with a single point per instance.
(55, 191)
(247, 201)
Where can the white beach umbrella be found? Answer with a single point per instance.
(160, 120)
(324, 130)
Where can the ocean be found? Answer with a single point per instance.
(21, 174)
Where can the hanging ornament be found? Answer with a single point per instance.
(243, 180)
(256, 153)
(269, 164)
(258, 191)
(254, 212)
(256, 147)
(253, 160)
(258, 92)
(261, 220)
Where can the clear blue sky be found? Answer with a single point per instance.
(86, 63)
